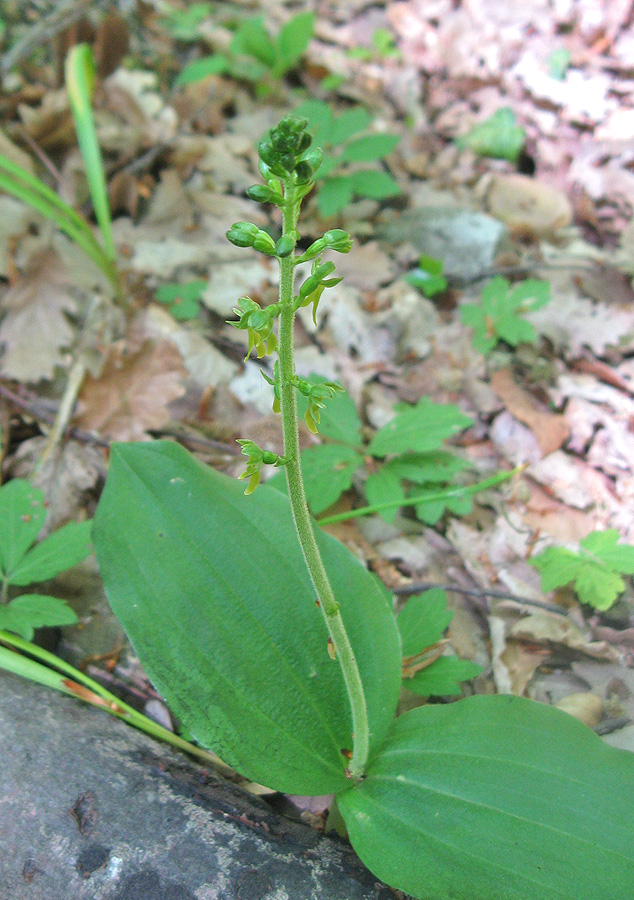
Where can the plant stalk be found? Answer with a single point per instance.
(303, 522)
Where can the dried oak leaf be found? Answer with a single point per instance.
(132, 394)
(35, 329)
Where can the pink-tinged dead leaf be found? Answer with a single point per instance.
(527, 206)
(35, 329)
(132, 395)
(550, 429)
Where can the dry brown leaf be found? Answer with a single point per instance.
(132, 394)
(588, 708)
(527, 206)
(35, 329)
(550, 429)
(547, 628)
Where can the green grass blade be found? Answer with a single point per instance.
(69, 680)
(422, 498)
(80, 79)
(41, 198)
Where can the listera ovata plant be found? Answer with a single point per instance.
(276, 648)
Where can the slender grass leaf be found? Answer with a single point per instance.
(422, 621)
(212, 589)
(22, 516)
(80, 82)
(61, 550)
(21, 184)
(496, 798)
(21, 665)
(30, 611)
(369, 148)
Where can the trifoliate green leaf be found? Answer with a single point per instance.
(420, 428)
(499, 136)
(30, 611)
(423, 620)
(443, 677)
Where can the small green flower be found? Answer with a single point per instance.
(256, 459)
(316, 394)
(258, 323)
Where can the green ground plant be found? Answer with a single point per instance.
(383, 46)
(499, 136)
(595, 569)
(23, 562)
(182, 300)
(428, 276)
(254, 55)
(408, 451)
(17, 181)
(278, 649)
(426, 671)
(499, 316)
(347, 146)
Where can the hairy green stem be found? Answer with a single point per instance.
(303, 522)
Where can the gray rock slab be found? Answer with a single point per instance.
(467, 242)
(91, 809)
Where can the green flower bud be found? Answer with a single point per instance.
(242, 234)
(314, 158)
(262, 194)
(271, 158)
(303, 172)
(285, 246)
(338, 240)
(264, 243)
(305, 142)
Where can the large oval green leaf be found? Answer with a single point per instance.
(212, 590)
(496, 798)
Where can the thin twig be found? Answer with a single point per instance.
(476, 592)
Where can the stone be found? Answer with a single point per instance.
(91, 809)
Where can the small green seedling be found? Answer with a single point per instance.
(428, 276)
(409, 450)
(347, 147)
(182, 300)
(559, 63)
(276, 647)
(500, 137)
(254, 55)
(499, 314)
(426, 671)
(184, 24)
(595, 570)
(23, 562)
(383, 47)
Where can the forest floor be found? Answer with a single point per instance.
(178, 159)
